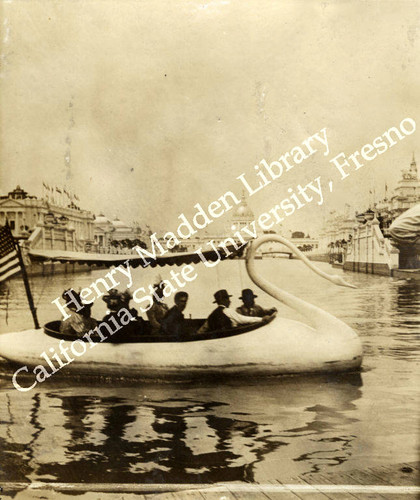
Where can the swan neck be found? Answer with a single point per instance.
(317, 317)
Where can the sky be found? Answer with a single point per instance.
(145, 108)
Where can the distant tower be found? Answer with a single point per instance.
(407, 192)
(413, 168)
(242, 216)
(409, 184)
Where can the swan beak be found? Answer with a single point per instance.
(338, 280)
(348, 285)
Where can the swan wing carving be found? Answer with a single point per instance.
(320, 320)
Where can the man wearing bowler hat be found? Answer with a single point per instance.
(223, 317)
(250, 308)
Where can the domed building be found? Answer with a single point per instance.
(121, 230)
(107, 232)
(242, 216)
(103, 231)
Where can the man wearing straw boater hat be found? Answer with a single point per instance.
(250, 308)
(224, 317)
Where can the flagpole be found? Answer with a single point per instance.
(27, 287)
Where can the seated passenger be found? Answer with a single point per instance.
(223, 317)
(250, 308)
(158, 310)
(116, 301)
(80, 321)
(125, 298)
(174, 322)
(112, 300)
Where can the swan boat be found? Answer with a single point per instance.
(282, 346)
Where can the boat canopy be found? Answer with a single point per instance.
(102, 259)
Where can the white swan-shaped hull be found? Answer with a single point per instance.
(280, 347)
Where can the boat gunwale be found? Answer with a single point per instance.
(51, 330)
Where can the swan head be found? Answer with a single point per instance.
(338, 280)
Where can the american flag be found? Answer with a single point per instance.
(9, 260)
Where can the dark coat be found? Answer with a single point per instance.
(218, 320)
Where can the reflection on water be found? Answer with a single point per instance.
(249, 430)
(172, 435)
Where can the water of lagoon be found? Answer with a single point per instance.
(101, 430)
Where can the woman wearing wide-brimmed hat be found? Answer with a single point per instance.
(80, 320)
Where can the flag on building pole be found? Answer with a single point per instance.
(46, 191)
(11, 262)
(60, 197)
(52, 194)
(66, 202)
